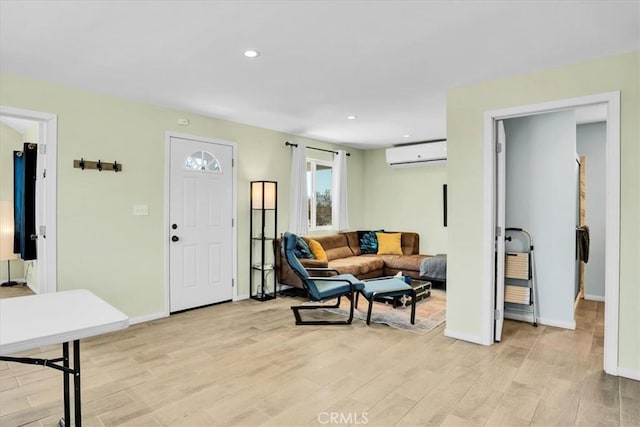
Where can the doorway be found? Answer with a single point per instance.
(201, 222)
(43, 271)
(612, 101)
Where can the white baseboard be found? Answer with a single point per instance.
(462, 336)
(14, 279)
(542, 321)
(147, 318)
(594, 297)
(550, 322)
(521, 317)
(241, 297)
(629, 373)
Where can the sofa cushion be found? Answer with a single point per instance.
(317, 250)
(389, 243)
(404, 262)
(410, 243)
(357, 265)
(335, 245)
(368, 241)
(353, 241)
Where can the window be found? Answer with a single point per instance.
(202, 161)
(319, 194)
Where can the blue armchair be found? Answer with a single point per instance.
(326, 287)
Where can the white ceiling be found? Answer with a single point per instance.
(388, 62)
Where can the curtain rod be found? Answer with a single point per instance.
(291, 144)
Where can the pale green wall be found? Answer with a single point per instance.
(101, 245)
(10, 141)
(405, 199)
(465, 109)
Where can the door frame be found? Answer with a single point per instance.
(167, 210)
(612, 215)
(48, 129)
(500, 243)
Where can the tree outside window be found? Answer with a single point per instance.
(319, 194)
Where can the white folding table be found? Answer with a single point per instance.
(56, 318)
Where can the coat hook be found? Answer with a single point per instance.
(116, 166)
(82, 163)
(99, 166)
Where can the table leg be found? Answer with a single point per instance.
(76, 383)
(65, 363)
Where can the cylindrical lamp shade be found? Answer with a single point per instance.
(263, 191)
(6, 231)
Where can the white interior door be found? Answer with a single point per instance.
(200, 221)
(500, 224)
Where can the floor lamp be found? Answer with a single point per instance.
(6, 239)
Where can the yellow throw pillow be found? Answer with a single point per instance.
(317, 250)
(389, 243)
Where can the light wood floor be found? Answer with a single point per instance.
(247, 364)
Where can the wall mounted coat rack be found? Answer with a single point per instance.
(99, 165)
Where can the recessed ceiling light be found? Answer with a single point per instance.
(352, 117)
(406, 135)
(251, 53)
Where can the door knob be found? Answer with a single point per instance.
(174, 238)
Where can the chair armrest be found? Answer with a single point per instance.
(325, 270)
(313, 263)
(337, 279)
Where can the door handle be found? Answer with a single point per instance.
(508, 238)
(174, 238)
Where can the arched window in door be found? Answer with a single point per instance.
(202, 161)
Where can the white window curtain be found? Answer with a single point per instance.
(340, 212)
(298, 222)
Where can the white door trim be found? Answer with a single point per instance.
(612, 260)
(500, 217)
(167, 206)
(47, 271)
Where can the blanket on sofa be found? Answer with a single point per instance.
(434, 267)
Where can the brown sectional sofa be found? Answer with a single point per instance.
(343, 254)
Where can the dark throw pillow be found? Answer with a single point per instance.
(302, 249)
(368, 241)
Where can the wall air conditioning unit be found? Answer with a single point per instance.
(428, 153)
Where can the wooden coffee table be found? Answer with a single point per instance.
(423, 291)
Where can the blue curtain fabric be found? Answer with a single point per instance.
(18, 198)
(24, 189)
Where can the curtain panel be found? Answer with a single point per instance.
(340, 212)
(298, 222)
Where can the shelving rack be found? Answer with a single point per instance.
(262, 231)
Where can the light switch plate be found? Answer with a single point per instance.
(141, 209)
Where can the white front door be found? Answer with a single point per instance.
(500, 225)
(200, 222)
